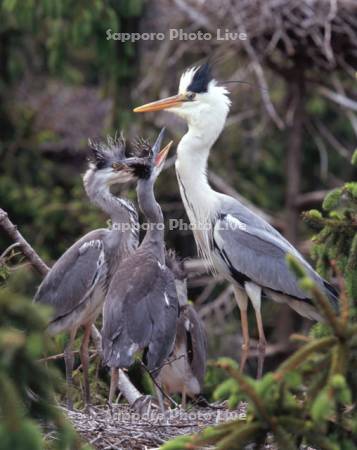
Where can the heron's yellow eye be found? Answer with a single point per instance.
(190, 95)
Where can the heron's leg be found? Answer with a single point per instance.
(69, 361)
(85, 363)
(255, 294)
(242, 302)
(160, 398)
(114, 378)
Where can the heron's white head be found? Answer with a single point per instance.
(200, 101)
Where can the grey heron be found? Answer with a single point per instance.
(185, 369)
(76, 285)
(233, 240)
(141, 307)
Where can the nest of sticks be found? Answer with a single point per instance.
(119, 427)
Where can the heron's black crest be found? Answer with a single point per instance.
(141, 150)
(201, 79)
(105, 153)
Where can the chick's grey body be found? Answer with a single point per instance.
(185, 369)
(184, 373)
(141, 307)
(143, 314)
(76, 285)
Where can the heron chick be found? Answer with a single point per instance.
(186, 367)
(76, 285)
(141, 307)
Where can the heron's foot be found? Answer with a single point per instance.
(204, 403)
(89, 410)
(145, 404)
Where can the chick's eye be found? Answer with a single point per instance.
(117, 166)
(190, 95)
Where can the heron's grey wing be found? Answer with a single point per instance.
(245, 215)
(138, 312)
(74, 275)
(125, 299)
(197, 342)
(163, 310)
(253, 253)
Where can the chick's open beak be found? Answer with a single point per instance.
(160, 157)
(165, 103)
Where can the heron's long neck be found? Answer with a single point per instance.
(191, 168)
(200, 200)
(120, 211)
(154, 236)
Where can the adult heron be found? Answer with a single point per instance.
(141, 307)
(76, 285)
(185, 369)
(233, 240)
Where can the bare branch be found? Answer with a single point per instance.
(7, 251)
(340, 99)
(197, 17)
(260, 76)
(309, 198)
(221, 306)
(332, 140)
(25, 247)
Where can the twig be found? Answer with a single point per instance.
(303, 200)
(7, 251)
(25, 247)
(166, 363)
(332, 140)
(171, 400)
(260, 76)
(196, 17)
(338, 98)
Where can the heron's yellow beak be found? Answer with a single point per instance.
(160, 158)
(165, 103)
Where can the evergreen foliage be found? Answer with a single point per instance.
(28, 408)
(335, 245)
(311, 397)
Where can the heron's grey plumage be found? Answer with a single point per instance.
(252, 255)
(72, 279)
(196, 341)
(142, 315)
(76, 285)
(185, 369)
(254, 251)
(141, 307)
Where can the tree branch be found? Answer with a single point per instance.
(338, 98)
(25, 247)
(304, 200)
